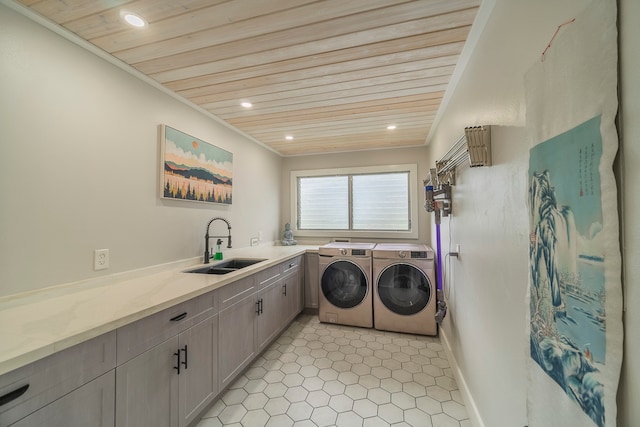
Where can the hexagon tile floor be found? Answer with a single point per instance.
(318, 374)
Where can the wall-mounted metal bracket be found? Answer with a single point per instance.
(478, 145)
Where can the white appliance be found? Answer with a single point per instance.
(345, 295)
(404, 298)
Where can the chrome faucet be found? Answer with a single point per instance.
(207, 237)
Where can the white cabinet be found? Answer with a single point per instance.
(170, 383)
(56, 377)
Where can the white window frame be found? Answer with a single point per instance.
(412, 233)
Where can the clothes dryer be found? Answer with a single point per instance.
(404, 298)
(346, 288)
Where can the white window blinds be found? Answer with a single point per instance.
(375, 201)
(323, 203)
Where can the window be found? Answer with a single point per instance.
(366, 202)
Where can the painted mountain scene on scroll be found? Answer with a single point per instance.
(566, 259)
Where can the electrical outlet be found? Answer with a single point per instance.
(260, 236)
(101, 259)
(455, 253)
(254, 241)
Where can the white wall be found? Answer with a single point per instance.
(80, 167)
(629, 392)
(486, 285)
(397, 156)
(485, 327)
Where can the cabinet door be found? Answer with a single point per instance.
(147, 388)
(273, 313)
(311, 280)
(90, 405)
(292, 293)
(236, 338)
(198, 380)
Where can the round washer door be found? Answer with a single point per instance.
(344, 284)
(404, 289)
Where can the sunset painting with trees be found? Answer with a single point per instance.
(194, 169)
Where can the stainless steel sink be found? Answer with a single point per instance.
(226, 267)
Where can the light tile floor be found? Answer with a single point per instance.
(319, 374)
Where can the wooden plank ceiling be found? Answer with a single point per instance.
(332, 74)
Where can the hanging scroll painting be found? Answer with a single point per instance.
(575, 298)
(568, 295)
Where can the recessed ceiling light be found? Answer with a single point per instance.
(133, 19)
(391, 127)
(288, 137)
(246, 104)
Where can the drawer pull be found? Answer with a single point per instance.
(177, 367)
(13, 395)
(186, 357)
(179, 317)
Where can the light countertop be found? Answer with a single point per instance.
(37, 324)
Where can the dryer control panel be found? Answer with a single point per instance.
(419, 255)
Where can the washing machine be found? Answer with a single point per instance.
(346, 288)
(404, 298)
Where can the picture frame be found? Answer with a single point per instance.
(194, 170)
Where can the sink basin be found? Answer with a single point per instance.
(226, 267)
(238, 263)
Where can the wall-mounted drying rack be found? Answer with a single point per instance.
(475, 147)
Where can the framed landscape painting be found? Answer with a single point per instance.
(194, 170)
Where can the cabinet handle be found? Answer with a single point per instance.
(177, 367)
(258, 307)
(13, 395)
(284, 287)
(179, 317)
(261, 301)
(186, 357)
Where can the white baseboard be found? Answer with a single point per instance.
(469, 403)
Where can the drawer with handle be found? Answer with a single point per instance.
(34, 386)
(291, 266)
(138, 337)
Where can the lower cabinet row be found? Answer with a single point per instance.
(169, 384)
(169, 381)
